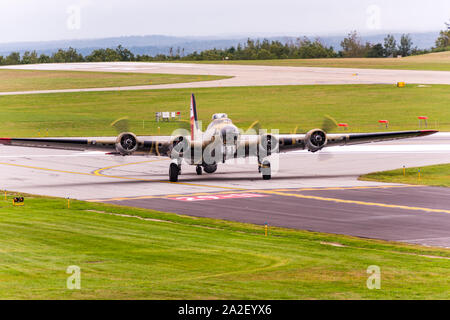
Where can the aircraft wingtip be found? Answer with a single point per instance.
(427, 132)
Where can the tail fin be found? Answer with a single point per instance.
(194, 119)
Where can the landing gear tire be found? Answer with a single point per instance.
(210, 168)
(264, 168)
(174, 171)
(199, 170)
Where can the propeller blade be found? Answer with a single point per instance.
(121, 125)
(255, 126)
(298, 130)
(184, 124)
(329, 124)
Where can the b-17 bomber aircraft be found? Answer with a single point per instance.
(222, 140)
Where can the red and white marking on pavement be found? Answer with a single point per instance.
(219, 197)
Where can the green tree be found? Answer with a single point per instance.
(103, 55)
(390, 46)
(376, 51)
(405, 46)
(443, 41)
(13, 58)
(43, 58)
(30, 57)
(69, 55)
(264, 54)
(353, 47)
(124, 54)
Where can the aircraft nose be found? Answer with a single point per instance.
(229, 135)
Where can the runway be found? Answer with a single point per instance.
(243, 75)
(318, 192)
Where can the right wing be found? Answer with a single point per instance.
(291, 142)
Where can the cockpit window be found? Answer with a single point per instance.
(219, 116)
(219, 121)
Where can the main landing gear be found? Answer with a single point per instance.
(208, 168)
(174, 171)
(264, 169)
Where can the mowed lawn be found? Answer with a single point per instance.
(438, 175)
(439, 61)
(29, 80)
(276, 107)
(178, 257)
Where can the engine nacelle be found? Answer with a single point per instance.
(126, 143)
(315, 140)
(268, 144)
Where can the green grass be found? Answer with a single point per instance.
(179, 257)
(439, 61)
(29, 80)
(438, 175)
(282, 107)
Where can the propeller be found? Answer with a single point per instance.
(255, 126)
(121, 125)
(328, 124)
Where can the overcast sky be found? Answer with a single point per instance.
(39, 20)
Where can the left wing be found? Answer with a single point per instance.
(124, 144)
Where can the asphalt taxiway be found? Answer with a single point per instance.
(319, 192)
(413, 214)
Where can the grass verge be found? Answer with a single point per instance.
(361, 106)
(170, 256)
(30, 80)
(438, 175)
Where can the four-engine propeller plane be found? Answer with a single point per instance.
(222, 140)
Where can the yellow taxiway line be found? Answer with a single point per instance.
(374, 204)
(280, 192)
(99, 174)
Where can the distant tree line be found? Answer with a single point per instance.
(302, 48)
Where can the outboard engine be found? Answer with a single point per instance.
(315, 140)
(126, 143)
